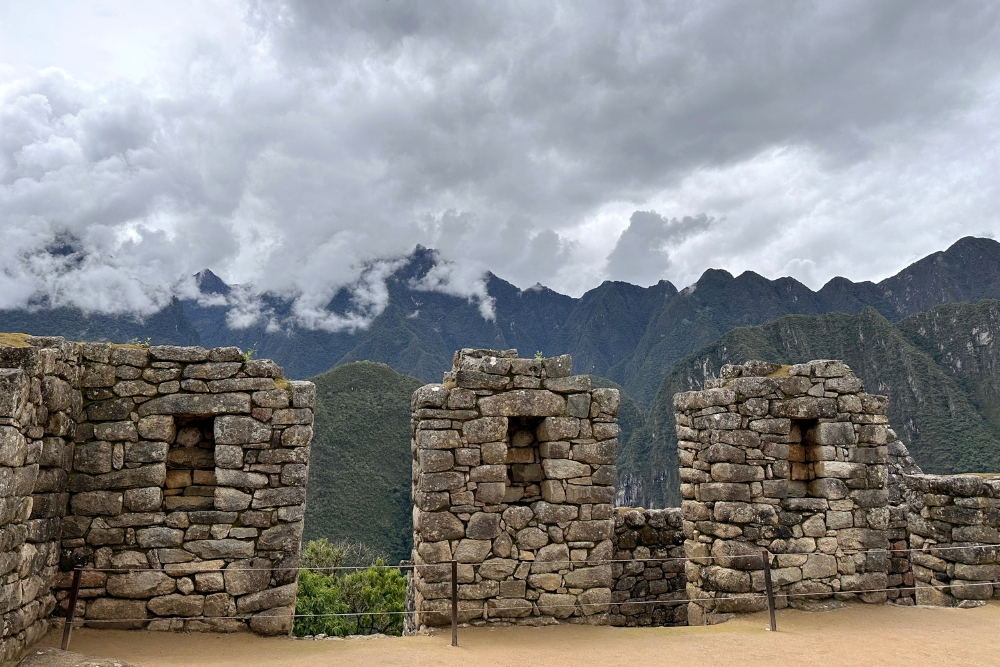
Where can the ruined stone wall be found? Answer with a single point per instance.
(37, 409)
(182, 469)
(513, 474)
(953, 527)
(650, 584)
(792, 459)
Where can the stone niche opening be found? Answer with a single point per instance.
(801, 456)
(524, 463)
(190, 481)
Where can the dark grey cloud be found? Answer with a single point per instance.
(555, 142)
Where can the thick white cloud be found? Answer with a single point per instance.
(304, 146)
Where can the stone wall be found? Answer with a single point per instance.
(513, 474)
(953, 527)
(650, 585)
(792, 459)
(182, 469)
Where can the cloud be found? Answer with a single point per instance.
(302, 147)
(642, 254)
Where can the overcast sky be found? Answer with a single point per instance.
(291, 145)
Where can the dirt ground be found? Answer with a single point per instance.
(856, 635)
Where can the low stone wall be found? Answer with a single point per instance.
(647, 589)
(180, 469)
(953, 528)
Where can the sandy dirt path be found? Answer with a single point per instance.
(856, 635)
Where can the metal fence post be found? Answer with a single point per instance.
(73, 593)
(767, 586)
(454, 603)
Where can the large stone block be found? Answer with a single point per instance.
(233, 430)
(832, 433)
(589, 577)
(557, 605)
(267, 599)
(437, 526)
(93, 503)
(140, 584)
(196, 404)
(564, 469)
(286, 537)
(523, 403)
(289, 495)
(247, 576)
(225, 548)
(177, 605)
(483, 526)
(486, 429)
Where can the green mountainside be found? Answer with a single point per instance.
(359, 470)
(939, 370)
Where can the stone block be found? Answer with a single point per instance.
(93, 457)
(93, 503)
(734, 472)
(714, 491)
(832, 433)
(140, 584)
(196, 404)
(177, 605)
(234, 430)
(483, 526)
(523, 403)
(266, 599)
(437, 526)
(564, 469)
(472, 551)
(110, 608)
(490, 493)
(557, 605)
(486, 429)
(264, 498)
(558, 428)
(148, 499)
(146, 452)
(604, 452)
(508, 608)
(225, 548)
(446, 439)
(240, 479)
(590, 531)
(580, 495)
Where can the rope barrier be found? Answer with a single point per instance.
(927, 548)
(587, 606)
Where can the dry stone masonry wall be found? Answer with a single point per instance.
(794, 460)
(649, 568)
(513, 474)
(953, 530)
(180, 468)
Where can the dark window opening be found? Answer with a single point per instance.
(524, 464)
(191, 465)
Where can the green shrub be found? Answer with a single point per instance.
(365, 592)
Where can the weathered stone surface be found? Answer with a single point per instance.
(436, 526)
(231, 430)
(266, 599)
(486, 429)
(226, 548)
(177, 605)
(523, 403)
(94, 503)
(196, 404)
(140, 584)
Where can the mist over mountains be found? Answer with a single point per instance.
(630, 334)
(925, 336)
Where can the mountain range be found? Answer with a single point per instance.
(924, 336)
